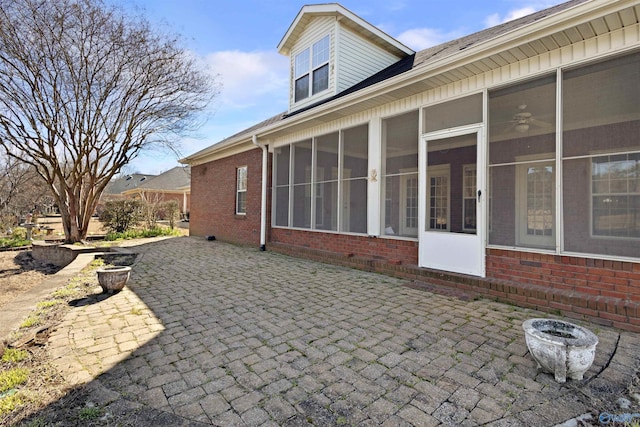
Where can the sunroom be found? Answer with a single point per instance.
(547, 164)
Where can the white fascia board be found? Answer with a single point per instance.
(221, 150)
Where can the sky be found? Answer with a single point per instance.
(237, 42)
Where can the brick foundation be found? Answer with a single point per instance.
(402, 251)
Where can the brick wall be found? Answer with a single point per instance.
(213, 203)
(394, 251)
(615, 279)
(167, 197)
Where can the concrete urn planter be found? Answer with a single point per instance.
(560, 348)
(113, 279)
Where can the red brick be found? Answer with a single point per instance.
(559, 306)
(583, 310)
(613, 317)
(627, 326)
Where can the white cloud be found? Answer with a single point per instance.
(496, 19)
(422, 38)
(249, 76)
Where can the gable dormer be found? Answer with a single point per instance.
(330, 49)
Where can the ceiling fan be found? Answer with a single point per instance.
(523, 120)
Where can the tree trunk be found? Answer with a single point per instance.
(73, 231)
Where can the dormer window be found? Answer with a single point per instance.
(311, 69)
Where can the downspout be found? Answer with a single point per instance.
(263, 203)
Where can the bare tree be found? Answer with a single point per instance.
(83, 89)
(22, 191)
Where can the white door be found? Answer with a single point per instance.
(451, 202)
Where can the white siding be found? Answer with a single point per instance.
(358, 59)
(316, 30)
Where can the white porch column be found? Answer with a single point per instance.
(375, 173)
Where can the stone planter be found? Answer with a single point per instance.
(560, 348)
(113, 279)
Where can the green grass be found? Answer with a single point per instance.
(90, 413)
(37, 422)
(48, 303)
(31, 320)
(13, 355)
(13, 243)
(13, 378)
(10, 403)
(137, 234)
(65, 292)
(98, 262)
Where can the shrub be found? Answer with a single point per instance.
(121, 215)
(13, 243)
(170, 210)
(19, 233)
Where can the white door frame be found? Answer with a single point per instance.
(456, 252)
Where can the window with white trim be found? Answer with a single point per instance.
(241, 190)
(311, 70)
(469, 178)
(438, 196)
(616, 195)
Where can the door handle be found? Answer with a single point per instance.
(479, 194)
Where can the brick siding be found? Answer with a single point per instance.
(213, 203)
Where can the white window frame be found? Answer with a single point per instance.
(472, 196)
(522, 238)
(594, 194)
(406, 175)
(306, 67)
(340, 217)
(241, 188)
(443, 170)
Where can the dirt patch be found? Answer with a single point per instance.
(45, 386)
(19, 272)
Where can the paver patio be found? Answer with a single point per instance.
(227, 335)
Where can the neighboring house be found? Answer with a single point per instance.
(173, 184)
(505, 163)
(117, 186)
(123, 183)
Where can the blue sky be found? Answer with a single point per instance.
(237, 41)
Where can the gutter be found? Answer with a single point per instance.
(263, 203)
